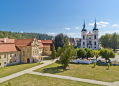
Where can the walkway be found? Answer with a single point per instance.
(25, 71)
(72, 78)
(30, 71)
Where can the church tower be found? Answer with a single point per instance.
(95, 42)
(83, 37)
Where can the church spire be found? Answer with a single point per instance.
(95, 22)
(84, 29)
(84, 25)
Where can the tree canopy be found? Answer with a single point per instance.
(17, 35)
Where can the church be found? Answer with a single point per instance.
(90, 40)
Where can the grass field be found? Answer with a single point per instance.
(5, 71)
(100, 72)
(36, 80)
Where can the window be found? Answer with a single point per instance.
(10, 55)
(94, 43)
(83, 37)
(83, 43)
(14, 55)
(95, 47)
(23, 53)
(94, 36)
(0, 64)
(33, 53)
(23, 59)
(4, 56)
(0, 57)
(15, 61)
(10, 61)
(4, 62)
(27, 53)
(89, 37)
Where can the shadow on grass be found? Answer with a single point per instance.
(54, 70)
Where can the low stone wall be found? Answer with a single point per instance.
(84, 61)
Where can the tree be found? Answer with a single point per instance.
(96, 53)
(67, 53)
(115, 41)
(59, 51)
(108, 65)
(59, 40)
(81, 53)
(107, 54)
(90, 53)
(53, 54)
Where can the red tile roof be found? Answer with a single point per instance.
(9, 41)
(23, 42)
(8, 48)
(46, 41)
(46, 45)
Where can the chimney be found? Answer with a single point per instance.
(4, 40)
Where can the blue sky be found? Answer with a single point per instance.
(59, 16)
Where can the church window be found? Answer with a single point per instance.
(83, 43)
(83, 37)
(23, 53)
(94, 36)
(94, 43)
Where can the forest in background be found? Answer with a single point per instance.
(17, 35)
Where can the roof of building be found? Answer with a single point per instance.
(8, 41)
(46, 41)
(46, 45)
(23, 42)
(71, 40)
(95, 26)
(8, 48)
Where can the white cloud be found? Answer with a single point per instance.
(114, 25)
(21, 31)
(71, 33)
(100, 24)
(117, 31)
(67, 28)
(77, 27)
(51, 33)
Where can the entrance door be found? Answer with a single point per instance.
(28, 60)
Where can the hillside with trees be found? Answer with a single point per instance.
(17, 35)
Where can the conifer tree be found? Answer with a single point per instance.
(53, 54)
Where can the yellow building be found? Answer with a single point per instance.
(15, 51)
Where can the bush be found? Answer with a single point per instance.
(81, 53)
(108, 65)
(94, 63)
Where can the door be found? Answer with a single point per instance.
(28, 60)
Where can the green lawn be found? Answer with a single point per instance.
(47, 58)
(36, 80)
(100, 72)
(5, 71)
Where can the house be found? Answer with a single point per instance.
(15, 51)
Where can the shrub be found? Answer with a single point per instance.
(94, 63)
(108, 65)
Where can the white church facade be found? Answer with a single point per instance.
(90, 40)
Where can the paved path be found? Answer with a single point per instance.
(30, 71)
(72, 78)
(25, 71)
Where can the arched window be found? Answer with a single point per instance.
(83, 37)
(33, 53)
(94, 36)
(94, 43)
(83, 43)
